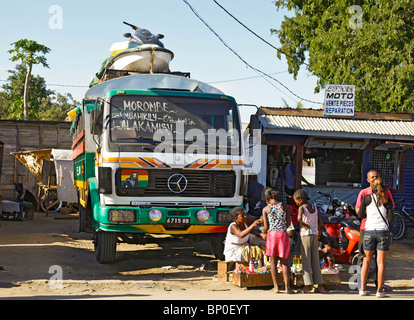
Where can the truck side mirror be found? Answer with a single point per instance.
(96, 122)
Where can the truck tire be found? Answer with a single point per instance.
(217, 245)
(105, 246)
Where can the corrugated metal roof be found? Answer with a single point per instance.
(336, 127)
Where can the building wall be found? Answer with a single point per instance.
(349, 193)
(408, 179)
(24, 136)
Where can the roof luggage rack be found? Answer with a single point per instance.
(110, 74)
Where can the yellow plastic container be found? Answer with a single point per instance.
(72, 114)
(119, 47)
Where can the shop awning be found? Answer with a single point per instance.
(312, 124)
(33, 160)
(395, 145)
(358, 144)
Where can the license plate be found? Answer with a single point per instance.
(177, 220)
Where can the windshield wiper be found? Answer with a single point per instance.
(138, 138)
(147, 144)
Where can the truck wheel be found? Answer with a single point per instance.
(217, 245)
(105, 246)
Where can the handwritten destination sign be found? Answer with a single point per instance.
(147, 114)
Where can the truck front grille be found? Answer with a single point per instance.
(200, 183)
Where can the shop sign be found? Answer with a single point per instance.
(339, 100)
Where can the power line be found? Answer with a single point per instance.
(243, 60)
(240, 79)
(260, 76)
(60, 85)
(265, 41)
(211, 82)
(66, 85)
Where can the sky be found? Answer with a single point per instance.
(80, 34)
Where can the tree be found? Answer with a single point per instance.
(44, 104)
(27, 51)
(12, 102)
(286, 105)
(56, 108)
(376, 55)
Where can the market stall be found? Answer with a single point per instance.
(59, 186)
(301, 148)
(249, 276)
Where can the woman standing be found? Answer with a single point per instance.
(276, 219)
(309, 221)
(378, 210)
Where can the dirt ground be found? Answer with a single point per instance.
(167, 269)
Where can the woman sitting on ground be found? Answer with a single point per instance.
(236, 245)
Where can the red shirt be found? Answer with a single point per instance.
(363, 193)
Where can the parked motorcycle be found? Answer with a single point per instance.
(341, 226)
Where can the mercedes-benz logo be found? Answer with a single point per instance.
(177, 183)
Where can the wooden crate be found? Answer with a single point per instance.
(256, 280)
(328, 279)
(223, 270)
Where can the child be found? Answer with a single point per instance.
(238, 235)
(325, 249)
(276, 219)
(309, 221)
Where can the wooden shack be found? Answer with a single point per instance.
(334, 154)
(24, 136)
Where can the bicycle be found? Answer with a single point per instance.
(397, 226)
(49, 202)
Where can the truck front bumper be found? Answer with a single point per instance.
(162, 220)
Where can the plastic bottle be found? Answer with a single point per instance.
(267, 263)
(294, 265)
(251, 265)
(295, 260)
(256, 264)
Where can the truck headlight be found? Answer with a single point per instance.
(122, 216)
(155, 215)
(203, 215)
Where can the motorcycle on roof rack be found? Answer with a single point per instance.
(144, 53)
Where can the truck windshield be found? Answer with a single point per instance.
(143, 122)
